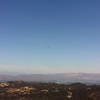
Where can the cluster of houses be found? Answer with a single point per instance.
(26, 90)
(4, 84)
(23, 90)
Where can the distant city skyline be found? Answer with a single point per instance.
(50, 36)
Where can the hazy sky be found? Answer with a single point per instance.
(49, 36)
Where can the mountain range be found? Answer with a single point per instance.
(60, 78)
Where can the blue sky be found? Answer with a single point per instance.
(50, 36)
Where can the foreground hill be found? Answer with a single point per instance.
(21, 90)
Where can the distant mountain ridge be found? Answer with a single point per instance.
(63, 78)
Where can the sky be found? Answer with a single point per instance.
(50, 36)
